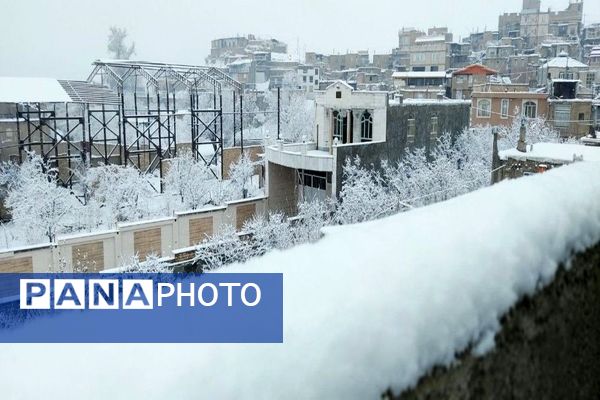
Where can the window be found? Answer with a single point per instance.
(504, 104)
(316, 71)
(484, 108)
(314, 179)
(304, 78)
(340, 124)
(310, 79)
(589, 80)
(338, 95)
(530, 109)
(565, 75)
(562, 114)
(366, 127)
(581, 116)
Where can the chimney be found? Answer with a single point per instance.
(522, 145)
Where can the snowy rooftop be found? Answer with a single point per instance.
(33, 90)
(564, 62)
(559, 153)
(420, 288)
(438, 38)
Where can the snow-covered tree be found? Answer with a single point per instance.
(152, 264)
(312, 216)
(39, 207)
(192, 181)
(122, 191)
(240, 178)
(116, 44)
(268, 232)
(224, 247)
(363, 195)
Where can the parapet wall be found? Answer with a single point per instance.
(548, 347)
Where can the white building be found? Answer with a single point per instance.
(305, 171)
(308, 77)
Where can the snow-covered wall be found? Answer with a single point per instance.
(367, 307)
(102, 250)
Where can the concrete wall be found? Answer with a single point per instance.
(451, 117)
(548, 347)
(98, 251)
(282, 194)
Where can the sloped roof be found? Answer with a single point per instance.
(564, 62)
(476, 69)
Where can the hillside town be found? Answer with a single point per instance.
(269, 160)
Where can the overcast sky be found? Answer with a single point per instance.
(60, 38)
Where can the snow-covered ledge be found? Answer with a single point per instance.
(368, 306)
(300, 156)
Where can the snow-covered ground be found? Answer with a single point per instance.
(366, 307)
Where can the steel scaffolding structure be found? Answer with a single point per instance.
(131, 113)
(57, 131)
(149, 93)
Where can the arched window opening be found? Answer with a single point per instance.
(366, 127)
(530, 109)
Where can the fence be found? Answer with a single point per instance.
(99, 251)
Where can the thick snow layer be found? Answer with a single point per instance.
(554, 153)
(33, 90)
(366, 307)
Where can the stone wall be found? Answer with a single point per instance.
(548, 347)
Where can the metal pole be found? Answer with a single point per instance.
(234, 118)
(241, 123)
(221, 131)
(19, 135)
(278, 112)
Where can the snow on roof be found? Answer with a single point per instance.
(420, 288)
(564, 62)
(241, 61)
(419, 74)
(558, 153)
(437, 38)
(32, 90)
(282, 57)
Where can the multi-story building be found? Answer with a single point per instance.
(383, 61)
(479, 41)
(308, 77)
(221, 50)
(500, 104)
(590, 38)
(339, 62)
(401, 54)
(420, 84)
(431, 52)
(536, 26)
(520, 68)
(459, 55)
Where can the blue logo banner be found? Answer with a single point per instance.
(141, 308)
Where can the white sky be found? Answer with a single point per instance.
(60, 38)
